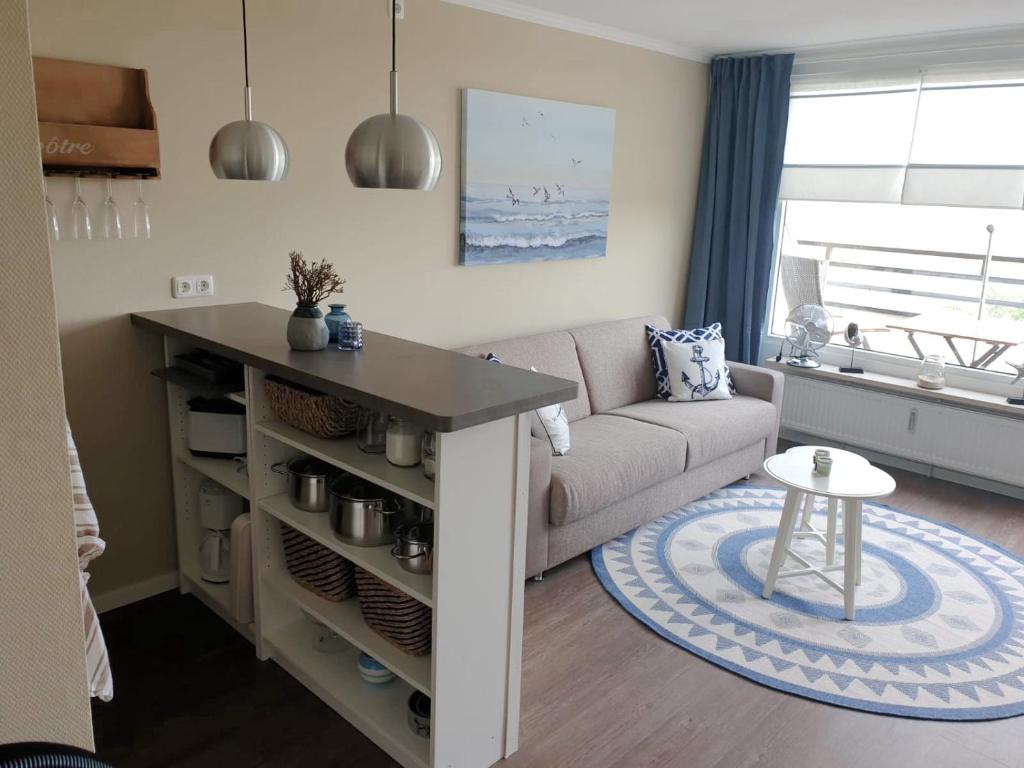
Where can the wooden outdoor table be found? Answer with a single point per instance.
(999, 337)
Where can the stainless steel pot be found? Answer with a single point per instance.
(414, 550)
(363, 514)
(308, 481)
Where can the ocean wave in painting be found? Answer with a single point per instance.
(514, 224)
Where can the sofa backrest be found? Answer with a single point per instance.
(616, 361)
(551, 353)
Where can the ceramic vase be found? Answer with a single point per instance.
(307, 330)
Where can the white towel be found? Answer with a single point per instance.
(90, 546)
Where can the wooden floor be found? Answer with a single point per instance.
(600, 690)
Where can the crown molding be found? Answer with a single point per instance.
(533, 15)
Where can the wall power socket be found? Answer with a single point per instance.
(191, 286)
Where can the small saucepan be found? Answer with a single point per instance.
(308, 481)
(414, 550)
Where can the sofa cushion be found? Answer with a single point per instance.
(550, 353)
(616, 361)
(713, 428)
(611, 459)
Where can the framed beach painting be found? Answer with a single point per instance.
(536, 179)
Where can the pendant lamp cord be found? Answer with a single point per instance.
(245, 44)
(394, 65)
(394, 23)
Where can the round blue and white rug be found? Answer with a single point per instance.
(939, 632)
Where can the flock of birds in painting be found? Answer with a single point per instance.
(513, 198)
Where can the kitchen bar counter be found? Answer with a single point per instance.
(442, 390)
(477, 498)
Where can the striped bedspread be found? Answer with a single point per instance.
(90, 546)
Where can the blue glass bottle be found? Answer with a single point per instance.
(337, 316)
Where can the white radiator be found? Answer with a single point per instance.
(965, 441)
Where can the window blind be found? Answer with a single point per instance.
(948, 135)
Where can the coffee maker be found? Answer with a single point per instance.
(218, 507)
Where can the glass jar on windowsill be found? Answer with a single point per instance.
(932, 373)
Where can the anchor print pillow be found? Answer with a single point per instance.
(656, 337)
(697, 370)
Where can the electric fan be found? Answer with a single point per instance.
(808, 329)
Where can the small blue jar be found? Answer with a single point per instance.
(338, 316)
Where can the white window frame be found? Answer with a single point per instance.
(986, 380)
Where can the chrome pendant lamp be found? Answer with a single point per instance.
(393, 151)
(247, 149)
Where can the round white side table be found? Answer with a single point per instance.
(851, 481)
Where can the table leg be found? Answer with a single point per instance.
(851, 524)
(782, 540)
(830, 531)
(990, 355)
(859, 534)
(956, 352)
(805, 523)
(917, 349)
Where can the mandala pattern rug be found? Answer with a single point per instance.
(939, 631)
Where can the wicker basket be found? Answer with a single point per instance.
(398, 618)
(311, 411)
(315, 567)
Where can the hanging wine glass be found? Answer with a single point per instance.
(140, 216)
(113, 229)
(51, 214)
(81, 225)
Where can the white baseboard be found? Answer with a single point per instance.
(115, 598)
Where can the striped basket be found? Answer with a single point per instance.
(398, 618)
(309, 410)
(315, 567)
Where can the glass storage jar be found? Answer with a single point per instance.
(371, 434)
(404, 442)
(932, 373)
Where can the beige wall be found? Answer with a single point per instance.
(43, 693)
(318, 68)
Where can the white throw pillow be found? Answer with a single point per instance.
(697, 370)
(554, 426)
(551, 422)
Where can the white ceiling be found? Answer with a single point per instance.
(702, 28)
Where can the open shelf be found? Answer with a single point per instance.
(346, 619)
(216, 597)
(376, 560)
(224, 471)
(409, 482)
(379, 711)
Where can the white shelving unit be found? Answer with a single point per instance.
(377, 711)
(345, 454)
(376, 560)
(229, 473)
(475, 593)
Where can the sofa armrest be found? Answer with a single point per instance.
(539, 507)
(763, 384)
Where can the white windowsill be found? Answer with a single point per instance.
(968, 399)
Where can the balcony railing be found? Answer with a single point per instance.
(841, 256)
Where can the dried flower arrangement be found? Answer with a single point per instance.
(311, 281)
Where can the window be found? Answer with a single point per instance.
(902, 209)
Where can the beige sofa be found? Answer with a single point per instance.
(633, 457)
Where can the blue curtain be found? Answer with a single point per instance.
(734, 229)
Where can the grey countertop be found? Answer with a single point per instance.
(442, 390)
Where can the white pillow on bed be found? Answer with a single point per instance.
(697, 370)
